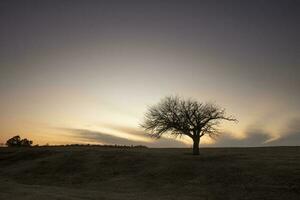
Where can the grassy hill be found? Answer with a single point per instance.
(114, 173)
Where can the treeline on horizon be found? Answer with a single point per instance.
(92, 145)
(16, 141)
(84, 145)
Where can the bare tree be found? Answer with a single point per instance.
(179, 117)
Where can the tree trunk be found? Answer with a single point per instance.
(196, 145)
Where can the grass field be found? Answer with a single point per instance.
(111, 173)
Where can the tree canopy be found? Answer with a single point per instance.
(16, 141)
(178, 116)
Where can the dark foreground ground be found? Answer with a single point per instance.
(108, 173)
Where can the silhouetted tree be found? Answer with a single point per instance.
(179, 117)
(17, 142)
(14, 141)
(25, 143)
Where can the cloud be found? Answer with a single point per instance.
(168, 143)
(252, 139)
(161, 142)
(96, 136)
(289, 137)
(105, 138)
(288, 140)
(126, 129)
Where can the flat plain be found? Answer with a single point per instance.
(146, 173)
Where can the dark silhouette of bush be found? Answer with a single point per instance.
(16, 141)
(26, 143)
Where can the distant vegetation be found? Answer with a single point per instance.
(100, 145)
(16, 141)
(178, 116)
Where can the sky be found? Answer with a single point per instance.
(86, 71)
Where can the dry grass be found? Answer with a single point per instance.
(109, 173)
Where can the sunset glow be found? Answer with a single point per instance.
(95, 67)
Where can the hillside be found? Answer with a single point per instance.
(109, 173)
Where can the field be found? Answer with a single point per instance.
(116, 173)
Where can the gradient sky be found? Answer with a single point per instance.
(85, 71)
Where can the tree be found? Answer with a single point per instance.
(14, 141)
(17, 142)
(179, 117)
(25, 143)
